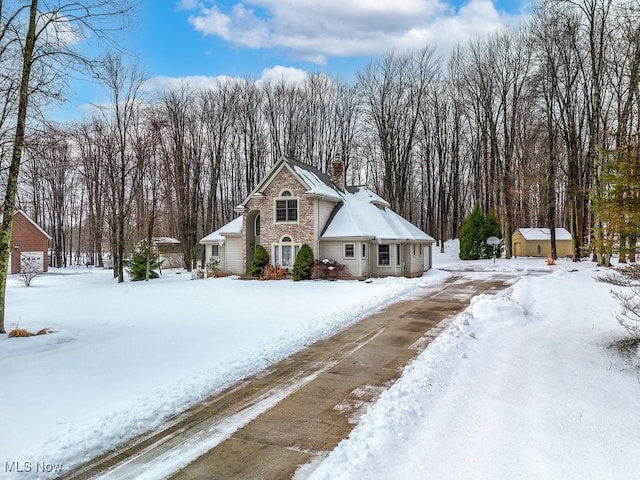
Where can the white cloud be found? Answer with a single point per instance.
(274, 74)
(195, 82)
(314, 31)
(279, 74)
(189, 5)
(58, 30)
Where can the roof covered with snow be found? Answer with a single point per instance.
(163, 240)
(359, 212)
(319, 183)
(234, 227)
(365, 214)
(544, 233)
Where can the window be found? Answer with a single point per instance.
(398, 254)
(215, 250)
(414, 249)
(349, 250)
(286, 208)
(285, 252)
(420, 249)
(383, 255)
(364, 250)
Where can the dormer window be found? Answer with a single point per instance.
(286, 207)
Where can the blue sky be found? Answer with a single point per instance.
(199, 40)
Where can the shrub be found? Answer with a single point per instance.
(627, 281)
(29, 269)
(144, 262)
(302, 266)
(476, 228)
(327, 269)
(270, 272)
(260, 260)
(213, 266)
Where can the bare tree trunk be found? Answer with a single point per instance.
(16, 157)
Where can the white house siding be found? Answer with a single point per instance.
(323, 208)
(395, 267)
(427, 249)
(334, 250)
(416, 264)
(234, 259)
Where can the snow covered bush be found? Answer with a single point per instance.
(302, 266)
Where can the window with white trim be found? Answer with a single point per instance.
(384, 255)
(349, 250)
(215, 250)
(286, 207)
(364, 250)
(285, 252)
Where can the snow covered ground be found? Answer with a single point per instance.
(522, 385)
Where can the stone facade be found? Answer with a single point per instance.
(272, 232)
(317, 195)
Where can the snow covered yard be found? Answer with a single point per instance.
(522, 385)
(124, 358)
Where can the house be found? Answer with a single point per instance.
(29, 245)
(536, 242)
(169, 252)
(296, 204)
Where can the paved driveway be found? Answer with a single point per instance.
(302, 407)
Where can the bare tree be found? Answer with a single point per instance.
(393, 90)
(47, 52)
(123, 82)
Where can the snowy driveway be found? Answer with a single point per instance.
(302, 407)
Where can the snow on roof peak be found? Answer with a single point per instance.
(544, 233)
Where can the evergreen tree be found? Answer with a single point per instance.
(302, 266)
(260, 260)
(144, 262)
(617, 205)
(476, 228)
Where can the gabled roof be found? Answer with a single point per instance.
(363, 214)
(234, 227)
(317, 183)
(544, 233)
(33, 223)
(359, 212)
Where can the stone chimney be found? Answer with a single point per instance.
(337, 174)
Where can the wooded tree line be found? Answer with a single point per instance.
(532, 125)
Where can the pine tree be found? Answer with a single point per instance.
(260, 260)
(476, 228)
(302, 266)
(144, 262)
(617, 205)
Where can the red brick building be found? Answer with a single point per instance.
(29, 243)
